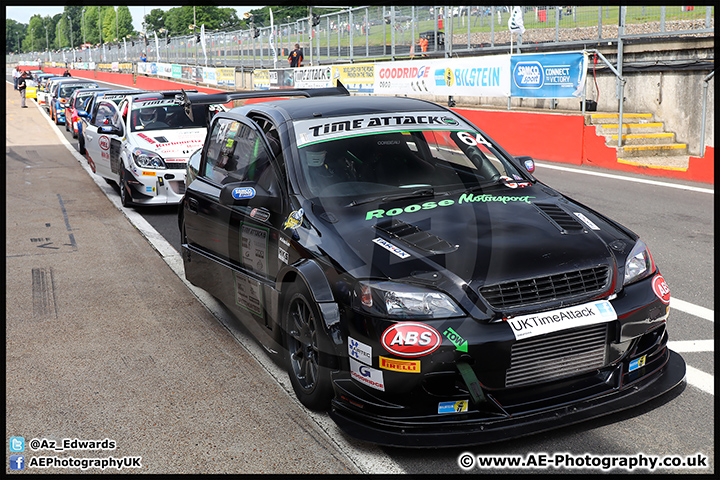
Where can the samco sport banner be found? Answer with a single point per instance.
(550, 75)
(479, 76)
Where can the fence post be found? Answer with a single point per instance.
(492, 26)
(392, 32)
(621, 85)
(662, 18)
(708, 17)
(557, 24)
(599, 22)
(351, 31)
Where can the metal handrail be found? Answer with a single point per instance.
(704, 113)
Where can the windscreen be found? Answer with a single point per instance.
(67, 90)
(390, 154)
(151, 116)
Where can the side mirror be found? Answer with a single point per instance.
(527, 162)
(83, 114)
(109, 129)
(248, 194)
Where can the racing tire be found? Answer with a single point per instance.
(67, 129)
(124, 196)
(302, 326)
(81, 145)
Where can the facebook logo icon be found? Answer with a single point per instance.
(17, 444)
(17, 462)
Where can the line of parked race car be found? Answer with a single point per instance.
(418, 279)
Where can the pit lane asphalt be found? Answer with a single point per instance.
(678, 227)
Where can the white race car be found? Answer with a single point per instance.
(144, 143)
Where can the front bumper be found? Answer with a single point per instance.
(468, 429)
(156, 187)
(495, 387)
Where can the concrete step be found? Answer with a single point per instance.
(602, 118)
(640, 138)
(673, 162)
(669, 149)
(612, 128)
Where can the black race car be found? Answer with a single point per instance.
(421, 282)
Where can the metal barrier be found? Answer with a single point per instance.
(392, 32)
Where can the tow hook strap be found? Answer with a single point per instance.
(472, 382)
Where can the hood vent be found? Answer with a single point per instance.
(415, 237)
(161, 139)
(560, 218)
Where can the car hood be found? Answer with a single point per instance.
(172, 143)
(482, 238)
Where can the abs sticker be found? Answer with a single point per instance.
(453, 407)
(661, 289)
(409, 339)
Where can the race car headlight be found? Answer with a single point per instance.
(147, 159)
(639, 263)
(406, 301)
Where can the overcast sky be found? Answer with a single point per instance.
(23, 14)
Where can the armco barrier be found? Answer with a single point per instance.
(544, 136)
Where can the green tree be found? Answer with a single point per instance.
(107, 19)
(91, 25)
(125, 21)
(155, 20)
(14, 34)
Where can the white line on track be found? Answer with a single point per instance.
(368, 458)
(688, 346)
(627, 179)
(692, 309)
(703, 381)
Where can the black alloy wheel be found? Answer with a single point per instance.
(310, 380)
(124, 195)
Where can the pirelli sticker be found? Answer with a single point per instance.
(528, 326)
(405, 366)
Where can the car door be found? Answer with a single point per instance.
(243, 237)
(104, 148)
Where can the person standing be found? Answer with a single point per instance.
(296, 57)
(143, 58)
(16, 75)
(21, 87)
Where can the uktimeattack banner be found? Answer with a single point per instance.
(550, 75)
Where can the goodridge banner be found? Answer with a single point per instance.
(479, 76)
(551, 75)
